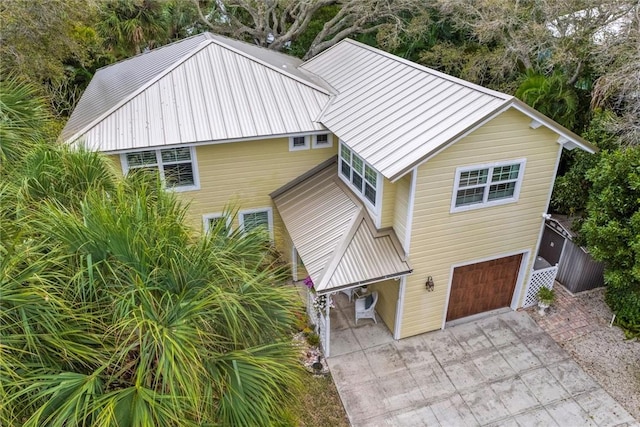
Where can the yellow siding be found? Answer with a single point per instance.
(388, 203)
(115, 158)
(387, 300)
(440, 239)
(241, 175)
(403, 187)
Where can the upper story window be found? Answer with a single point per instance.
(177, 166)
(298, 143)
(304, 142)
(487, 185)
(323, 140)
(364, 179)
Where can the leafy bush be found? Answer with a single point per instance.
(612, 229)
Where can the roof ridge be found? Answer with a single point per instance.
(140, 89)
(425, 69)
(341, 248)
(221, 43)
(205, 35)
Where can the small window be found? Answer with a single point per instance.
(324, 140)
(298, 143)
(255, 218)
(487, 185)
(362, 177)
(177, 166)
(213, 221)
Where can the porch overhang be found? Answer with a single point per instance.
(334, 235)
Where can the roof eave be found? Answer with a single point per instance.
(365, 282)
(568, 139)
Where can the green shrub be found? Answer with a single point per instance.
(546, 295)
(313, 339)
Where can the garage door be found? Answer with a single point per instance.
(484, 286)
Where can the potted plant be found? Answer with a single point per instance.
(546, 296)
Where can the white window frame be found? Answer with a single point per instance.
(485, 202)
(306, 145)
(328, 144)
(269, 211)
(360, 192)
(159, 164)
(218, 215)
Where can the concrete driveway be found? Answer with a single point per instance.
(502, 370)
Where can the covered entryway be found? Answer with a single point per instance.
(483, 286)
(339, 244)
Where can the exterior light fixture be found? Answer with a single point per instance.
(429, 284)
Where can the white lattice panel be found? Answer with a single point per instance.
(539, 278)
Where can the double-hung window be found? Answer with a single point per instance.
(177, 166)
(361, 177)
(487, 185)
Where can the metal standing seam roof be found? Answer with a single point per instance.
(334, 235)
(204, 88)
(395, 113)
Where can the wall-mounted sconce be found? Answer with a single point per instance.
(429, 284)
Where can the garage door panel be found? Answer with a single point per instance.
(483, 286)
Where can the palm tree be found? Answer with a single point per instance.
(550, 95)
(114, 313)
(128, 26)
(24, 118)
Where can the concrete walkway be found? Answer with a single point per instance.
(502, 370)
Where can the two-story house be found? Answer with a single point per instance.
(366, 168)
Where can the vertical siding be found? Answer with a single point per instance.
(440, 239)
(388, 203)
(577, 271)
(387, 300)
(403, 187)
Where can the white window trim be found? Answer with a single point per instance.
(314, 141)
(248, 211)
(207, 217)
(485, 203)
(375, 209)
(306, 145)
(194, 164)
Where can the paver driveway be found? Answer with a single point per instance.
(501, 370)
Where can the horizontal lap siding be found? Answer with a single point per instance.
(388, 203)
(440, 239)
(387, 300)
(243, 174)
(403, 187)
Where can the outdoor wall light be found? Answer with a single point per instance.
(429, 284)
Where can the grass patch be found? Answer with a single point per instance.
(320, 405)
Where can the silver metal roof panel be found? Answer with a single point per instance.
(333, 233)
(209, 91)
(390, 111)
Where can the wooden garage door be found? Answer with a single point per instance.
(483, 286)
